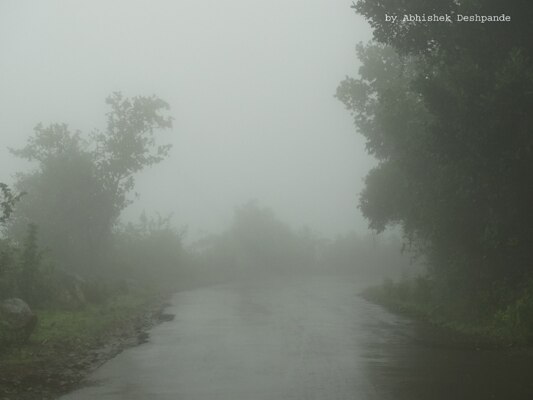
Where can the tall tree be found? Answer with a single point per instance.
(446, 108)
(80, 186)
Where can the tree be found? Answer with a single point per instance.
(446, 110)
(81, 185)
(128, 145)
(7, 253)
(154, 243)
(30, 264)
(7, 202)
(258, 242)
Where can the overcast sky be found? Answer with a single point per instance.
(250, 84)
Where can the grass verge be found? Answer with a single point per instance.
(67, 344)
(503, 328)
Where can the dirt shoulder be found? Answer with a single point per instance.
(68, 345)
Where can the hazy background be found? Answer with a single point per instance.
(250, 84)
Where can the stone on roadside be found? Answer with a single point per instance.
(17, 321)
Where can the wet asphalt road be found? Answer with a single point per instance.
(301, 339)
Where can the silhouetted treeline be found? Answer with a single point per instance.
(446, 109)
(371, 258)
(257, 243)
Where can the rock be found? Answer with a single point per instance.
(17, 321)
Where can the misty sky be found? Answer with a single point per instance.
(250, 84)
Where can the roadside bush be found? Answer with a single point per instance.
(149, 251)
(422, 289)
(517, 318)
(97, 291)
(8, 269)
(24, 272)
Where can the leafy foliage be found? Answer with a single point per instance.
(446, 110)
(7, 202)
(23, 272)
(369, 257)
(80, 186)
(128, 145)
(258, 242)
(150, 250)
(68, 221)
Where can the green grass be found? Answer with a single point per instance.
(90, 322)
(60, 331)
(502, 329)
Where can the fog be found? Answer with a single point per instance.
(239, 199)
(250, 85)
